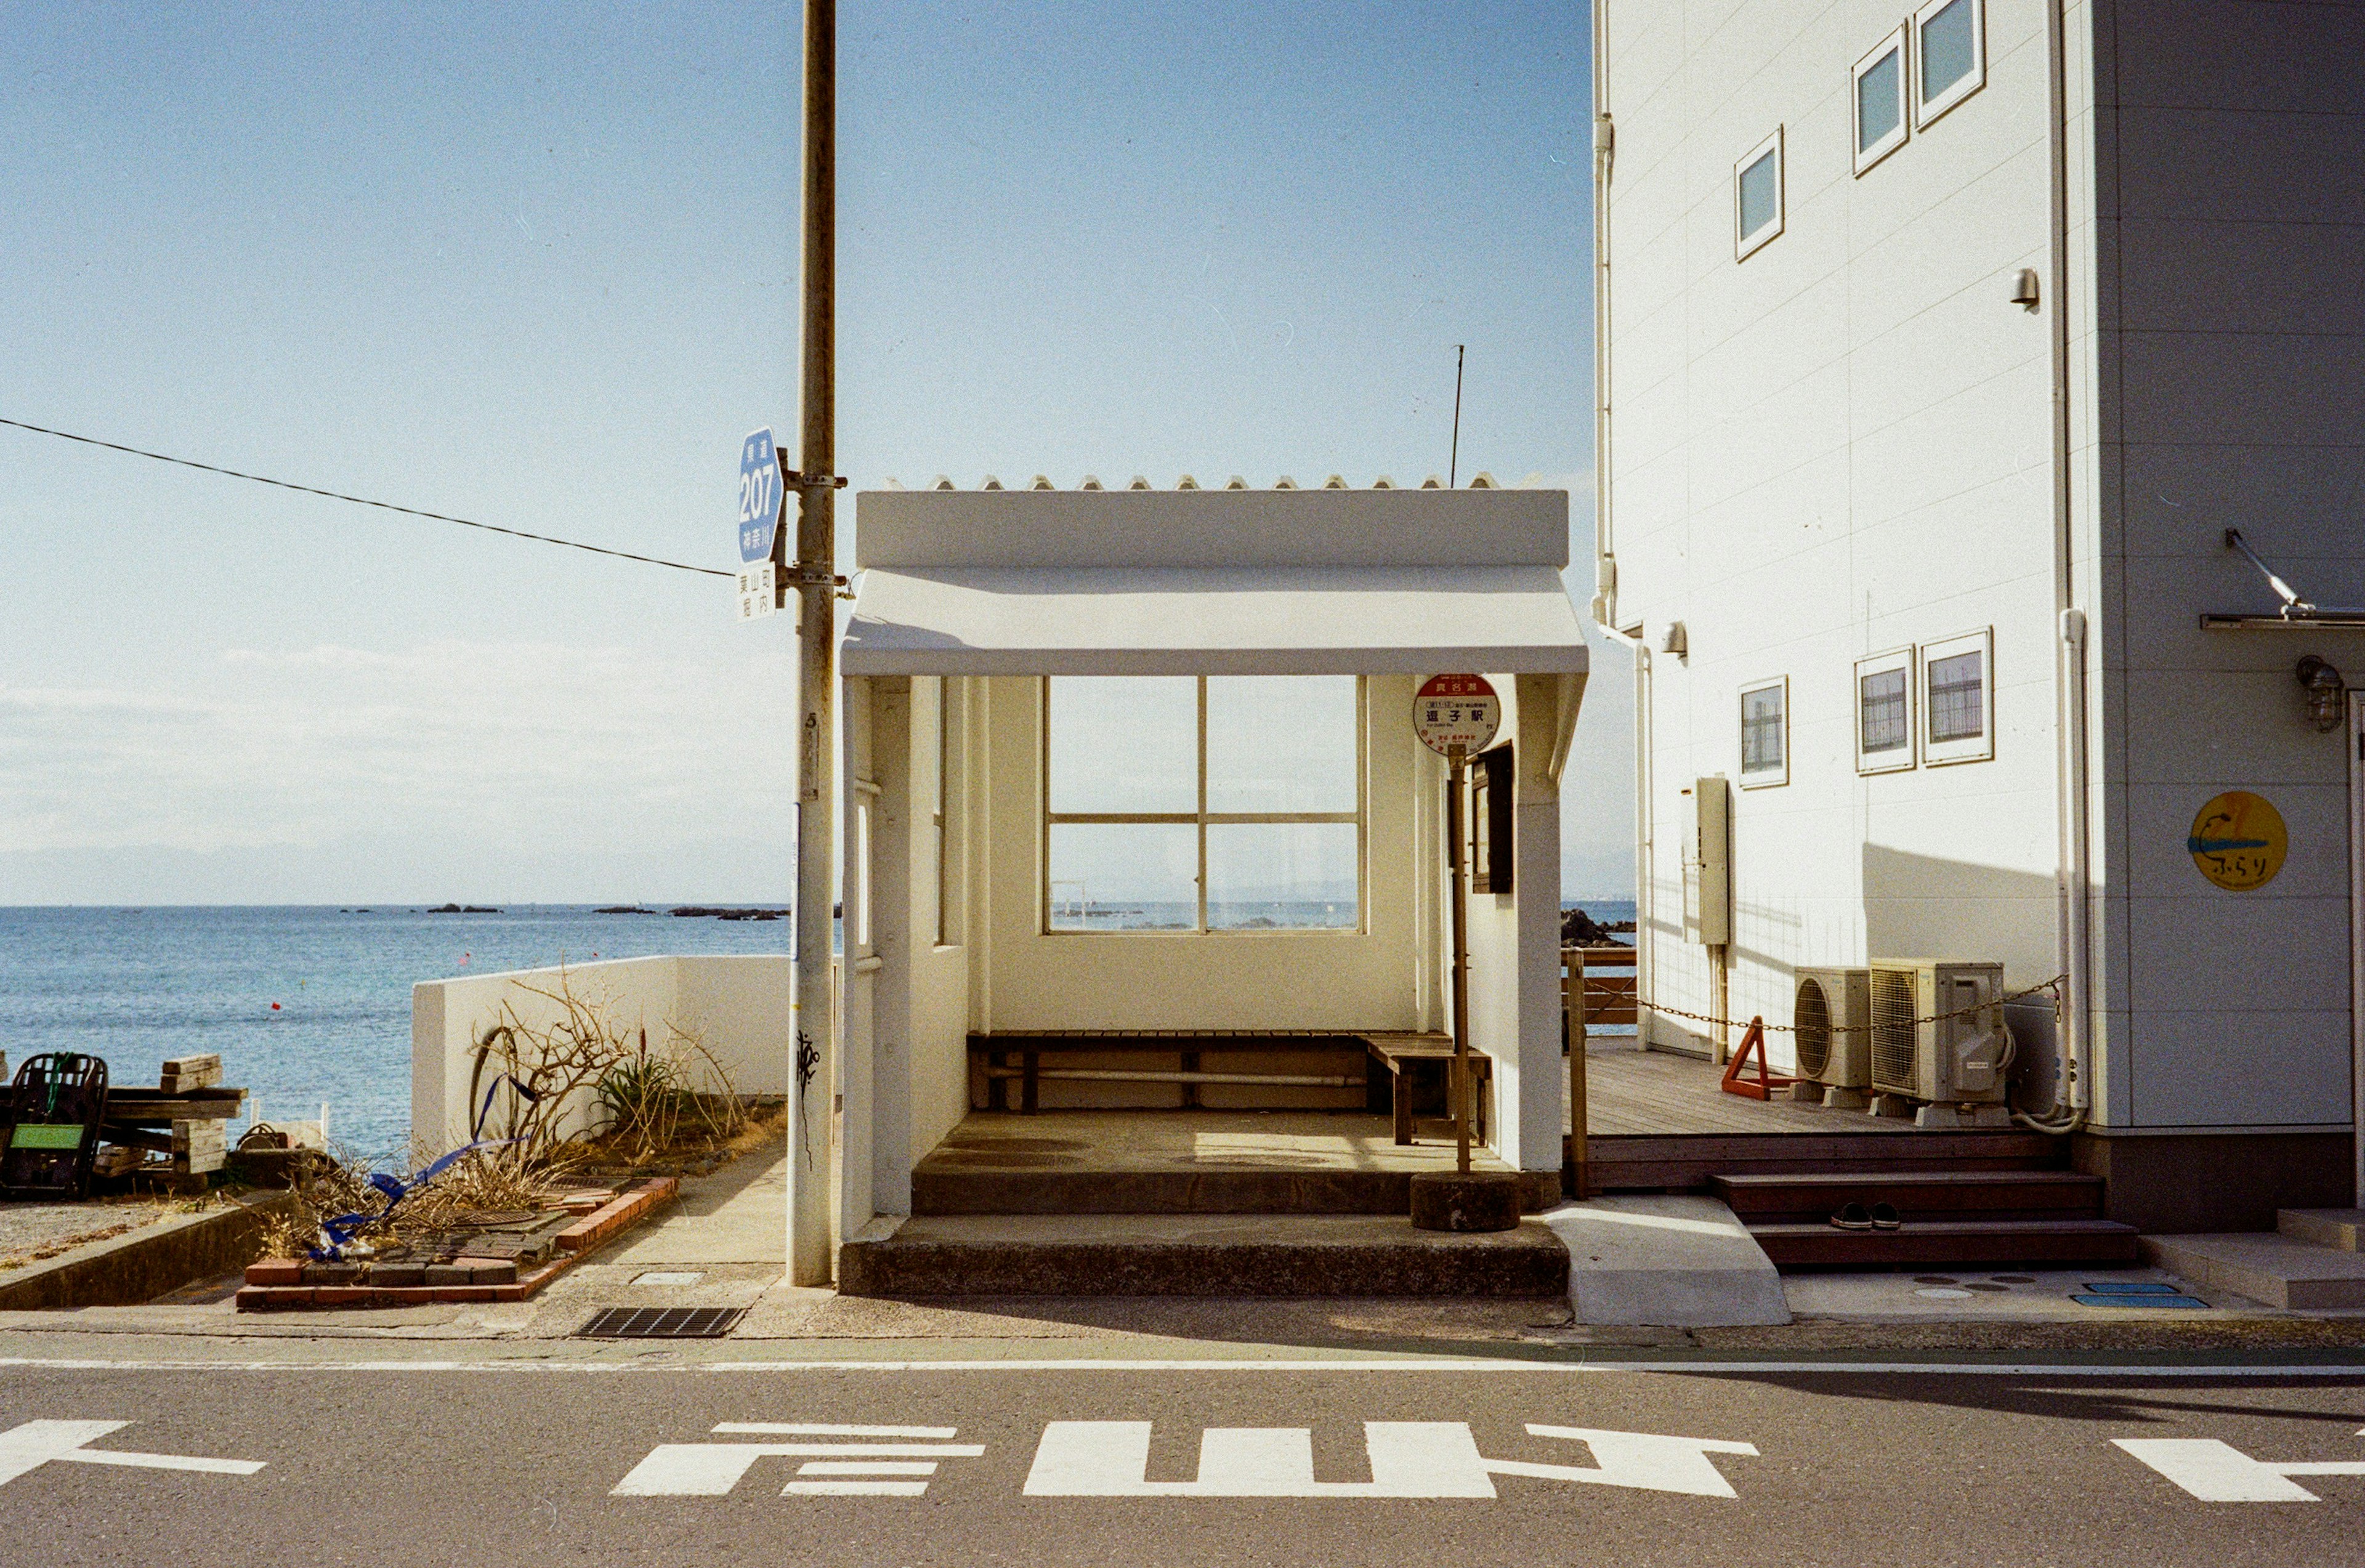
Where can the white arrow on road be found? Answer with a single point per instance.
(1409, 1458)
(36, 1443)
(2220, 1473)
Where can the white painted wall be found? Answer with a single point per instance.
(1832, 448)
(737, 1005)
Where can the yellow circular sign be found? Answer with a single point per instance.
(2238, 841)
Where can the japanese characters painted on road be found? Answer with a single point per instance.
(759, 517)
(2217, 1472)
(36, 1443)
(1456, 712)
(1111, 1459)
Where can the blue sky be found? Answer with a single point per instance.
(536, 265)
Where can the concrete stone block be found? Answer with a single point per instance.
(1672, 1261)
(1466, 1201)
(2266, 1266)
(2341, 1228)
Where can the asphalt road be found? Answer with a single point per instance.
(617, 1456)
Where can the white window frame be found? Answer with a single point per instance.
(1898, 759)
(1865, 157)
(1927, 110)
(1971, 748)
(1049, 893)
(1762, 778)
(1747, 245)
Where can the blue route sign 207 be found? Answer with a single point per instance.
(759, 496)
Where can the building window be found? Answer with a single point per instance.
(1765, 733)
(1757, 195)
(1881, 101)
(1884, 712)
(1950, 50)
(1959, 699)
(1199, 803)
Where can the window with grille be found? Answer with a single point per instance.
(1764, 738)
(1884, 712)
(1959, 699)
(1202, 803)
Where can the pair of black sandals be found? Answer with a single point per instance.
(1856, 1216)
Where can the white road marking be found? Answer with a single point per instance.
(2115, 1372)
(2219, 1473)
(36, 1443)
(712, 1470)
(1408, 1459)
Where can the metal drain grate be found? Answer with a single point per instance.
(662, 1322)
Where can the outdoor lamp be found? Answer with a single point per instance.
(2326, 692)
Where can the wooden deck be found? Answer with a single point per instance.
(1632, 1093)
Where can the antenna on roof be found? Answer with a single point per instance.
(1453, 458)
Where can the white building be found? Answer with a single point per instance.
(1938, 353)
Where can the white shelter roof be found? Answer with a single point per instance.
(1263, 582)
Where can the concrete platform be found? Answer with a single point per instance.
(1263, 1255)
(1667, 1262)
(2339, 1229)
(2266, 1266)
(1185, 1162)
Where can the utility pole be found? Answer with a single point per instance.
(814, 580)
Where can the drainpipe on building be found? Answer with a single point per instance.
(1605, 148)
(2073, 1072)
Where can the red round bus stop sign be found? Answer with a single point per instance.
(1456, 712)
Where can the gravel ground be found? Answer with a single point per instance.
(30, 1232)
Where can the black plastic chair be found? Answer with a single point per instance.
(49, 1125)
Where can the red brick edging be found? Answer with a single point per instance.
(274, 1284)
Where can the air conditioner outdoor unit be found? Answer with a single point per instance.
(1952, 1064)
(1833, 1013)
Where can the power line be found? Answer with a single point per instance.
(364, 500)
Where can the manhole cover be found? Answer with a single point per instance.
(662, 1322)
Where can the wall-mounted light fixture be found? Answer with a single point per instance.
(1678, 643)
(2327, 694)
(2024, 288)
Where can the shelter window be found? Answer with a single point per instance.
(1758, 196)
(1950, 46)
(1881, 101)
(1884, 712)
(1959, 697)
(1199, 803)
(950, 695)
(1765, 740)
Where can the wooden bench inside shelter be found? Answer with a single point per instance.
(1018, 1058)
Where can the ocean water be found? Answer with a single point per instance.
(136, 986)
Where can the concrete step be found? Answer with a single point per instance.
(1126, 1255)
(2266, 1266)
(1668, 1261)
(1210, 1190)
(1963, 1242)
(2323, 1227)
(1916, 1194)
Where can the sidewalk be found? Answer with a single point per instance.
(726, 1246)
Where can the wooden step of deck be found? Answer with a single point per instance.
(1962, 1243)
(940, 1188)
(1915, 1195)
(1656, 1162)
(1143, 1255)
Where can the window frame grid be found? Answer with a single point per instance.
(1747, 245)
(1763, 777)
(1202, 820)
(1969, 748)
(1897, 759)
(1928, 111)
(1865, 157)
